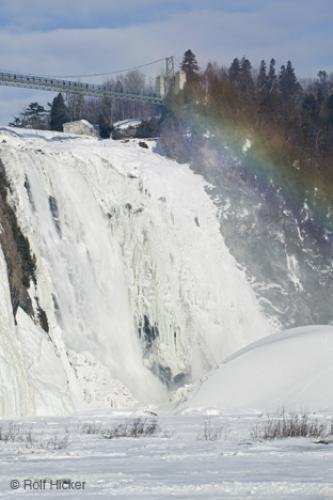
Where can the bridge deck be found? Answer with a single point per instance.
(56, 85)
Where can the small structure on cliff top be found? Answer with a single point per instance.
(81, 127)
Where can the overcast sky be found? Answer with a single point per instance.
(61, 37)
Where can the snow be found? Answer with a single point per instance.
(176, 462)
(293, 268)
(247, 145)
(291, 369)
(134, 235)
(120, 247)
(14, 389)
(125, 124)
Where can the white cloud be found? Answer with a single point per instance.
(39, 14)
(213, 35)
(290, 29)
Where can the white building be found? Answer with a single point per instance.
(163, 84)
(80, 127)
(160, 86)
(180, 80)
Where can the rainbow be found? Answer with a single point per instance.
(304, 191)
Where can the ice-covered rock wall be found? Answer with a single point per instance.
(276, 225)
(132, 288)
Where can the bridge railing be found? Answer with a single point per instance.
(56, 84)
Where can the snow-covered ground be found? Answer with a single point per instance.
(189, 457)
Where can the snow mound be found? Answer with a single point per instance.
(292, 369)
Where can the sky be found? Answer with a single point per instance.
(69, 37)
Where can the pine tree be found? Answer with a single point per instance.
(104, 117)
(322, 86)
(282, 80)
(309, 106)
(234, 71)
(266, 90)
(329, 106)
(190, 66)
(246, 85)
(262, 81)
(288, 84)
(34, 116)
(17, 122)
(309, 119)
(59, 113)
(272, 77)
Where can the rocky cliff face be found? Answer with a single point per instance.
(285, 245)
(20, 262)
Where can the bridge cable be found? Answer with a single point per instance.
(109, 72)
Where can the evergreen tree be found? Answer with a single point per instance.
(34, 116)
(282, 80)
(246, 85)
(234, 71)
(105, 117)
(322, 86)
(190, 66)
(59, 113)
(17, 122)
(309, 120)
(271, 79)
(329, 106)
(262, 83)
(288, 84)
(295, 130)
(309, 107)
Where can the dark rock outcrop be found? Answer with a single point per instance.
(21, 264)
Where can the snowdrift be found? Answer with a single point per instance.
(292, 370)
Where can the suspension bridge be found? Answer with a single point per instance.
(54, 84)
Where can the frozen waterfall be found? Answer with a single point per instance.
(135, 292)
